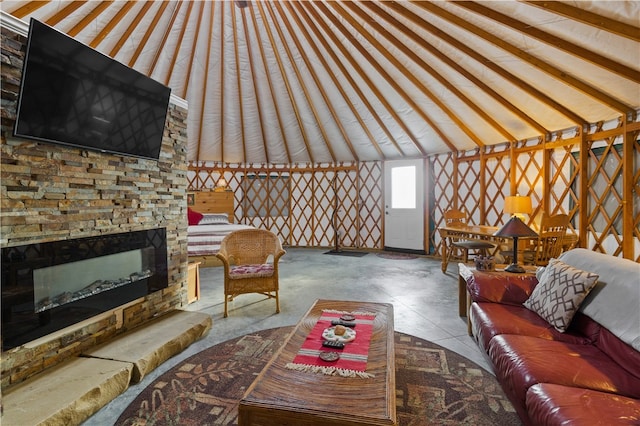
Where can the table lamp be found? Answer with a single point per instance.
(221, 185)
(515, 228)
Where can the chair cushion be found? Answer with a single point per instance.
(560, 293)
(251, 271)
(471, 245)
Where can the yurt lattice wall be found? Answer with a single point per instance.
(590, 174)
(304, 204)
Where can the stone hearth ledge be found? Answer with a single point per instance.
(74, 390)
(149, 345)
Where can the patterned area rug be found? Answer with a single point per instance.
(434, 386)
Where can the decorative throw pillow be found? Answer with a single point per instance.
(193, 217)
(560, 292)
(214, 219)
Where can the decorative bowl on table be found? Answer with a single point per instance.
(330, 334)
(329, 356)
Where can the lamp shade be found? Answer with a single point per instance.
(517, 204)
(221, 185)
(515, 228)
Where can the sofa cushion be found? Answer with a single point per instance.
(560, 292)
(623, 354)
(550, 404)
(500, 288)
(615, 299)
(522, 361)
(492, 319)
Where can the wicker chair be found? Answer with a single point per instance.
(250, 258)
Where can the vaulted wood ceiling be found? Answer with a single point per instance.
(330, 81)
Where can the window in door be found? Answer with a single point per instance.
(403, 187)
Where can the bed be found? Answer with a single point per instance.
(204, 235)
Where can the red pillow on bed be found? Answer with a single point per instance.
(193, 216)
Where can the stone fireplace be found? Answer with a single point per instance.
(61, 195)
(51, 285)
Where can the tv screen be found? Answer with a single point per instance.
(73, 95)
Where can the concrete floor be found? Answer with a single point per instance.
(425, 304)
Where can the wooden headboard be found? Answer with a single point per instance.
(212, 202)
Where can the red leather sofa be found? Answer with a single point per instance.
(588, 374)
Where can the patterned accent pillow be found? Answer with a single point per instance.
(559, 293)
(214, 219)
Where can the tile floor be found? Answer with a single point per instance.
(425, 304)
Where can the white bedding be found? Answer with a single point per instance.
(205, 240)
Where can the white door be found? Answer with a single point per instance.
(404, 205)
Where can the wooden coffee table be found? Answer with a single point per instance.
(280, 396)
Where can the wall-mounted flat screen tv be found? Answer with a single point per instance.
(73, 95)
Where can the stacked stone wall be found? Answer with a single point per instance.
(51, 192)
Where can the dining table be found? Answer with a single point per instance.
(451, 233)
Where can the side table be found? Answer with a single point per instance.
(465, 273)
(193, 282)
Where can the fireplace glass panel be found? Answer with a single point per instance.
(49, 286)
(56, 285)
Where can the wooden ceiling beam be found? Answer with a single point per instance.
(547, 68)
(132, 26)
(176, 49)
(325, 65)
(431, 71)
(316, 80)
(464, 48)
(278, 113)
(89, 18)
(559, 43)
(381, 98)
(196, 37)
(305, 90)
(28, 8)
(222, 79)
(407, 14)
(355, 23)
(147, 34)
(203, 98)
(597, 21)
(124, 10)
(285, 80)
(254, 83)
(165, 36)
(205, 80)
(238, 73)
(64, 12)
(313, 26)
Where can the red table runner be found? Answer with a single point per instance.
(353, 358)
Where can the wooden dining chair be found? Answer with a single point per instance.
(453, 218)
(250, 259)
(548, 245)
